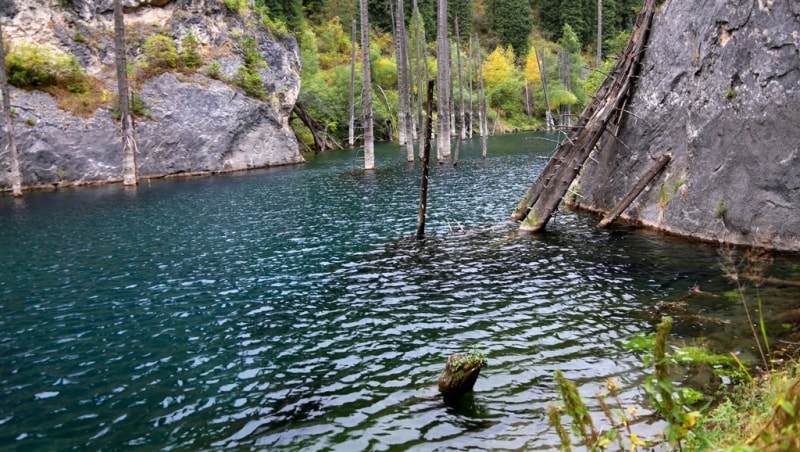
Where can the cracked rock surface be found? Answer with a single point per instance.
(720, 91)
(195, 124)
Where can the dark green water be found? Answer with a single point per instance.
(291, 309)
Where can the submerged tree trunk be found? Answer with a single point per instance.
(352, 119)
(418, 40)
(603, 111)
(369, 137)
(128, 140)
(460, 374)
(16, 177)
(425, 145)
(404, 90)
(463, 134)
(470, 130)
(484, 121)
(548, 115)
(442, 83)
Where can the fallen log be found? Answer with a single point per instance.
(604, 110)
(637, 188)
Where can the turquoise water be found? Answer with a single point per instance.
(291, 308)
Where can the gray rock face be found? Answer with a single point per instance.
(720, 91)
(195, 124)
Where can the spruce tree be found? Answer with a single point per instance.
(512, 21)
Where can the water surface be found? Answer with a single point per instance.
(291, 308)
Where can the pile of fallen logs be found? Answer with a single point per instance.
(602, 115)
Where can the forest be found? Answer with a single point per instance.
(538, 61)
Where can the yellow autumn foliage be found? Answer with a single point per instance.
(498, 67)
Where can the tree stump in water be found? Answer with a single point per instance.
(460, 373)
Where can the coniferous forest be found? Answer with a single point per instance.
(524, 46)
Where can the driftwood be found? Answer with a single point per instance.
(460, 374)
(322, 140)
(602, 113)
(648, 176)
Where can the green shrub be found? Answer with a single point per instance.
(34, 66)
(215, 70)
(190, 54)
(251, 82)
(159, 54)
(249, 77)
(137, 106)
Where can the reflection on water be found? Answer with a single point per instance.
(291, 309)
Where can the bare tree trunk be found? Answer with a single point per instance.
(418, 40)
(471, 131)
(16, 177)
(542, 71)
(426, 158)
(460, 85)
(404, 82)
(128, 139)
(564, 111)
(398, 56)
(527, 99)
(482, 115)
(351, 121)
(599, 58)
(369, 134)
(443, 83)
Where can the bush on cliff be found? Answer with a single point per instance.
(34, 66)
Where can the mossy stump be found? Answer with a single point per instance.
(460, 374)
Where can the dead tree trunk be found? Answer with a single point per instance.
(546, 193)
(369, 133)
(482, 113)
(548, 115)
(319, 139)
(128, 140)
(637, 188)
(407, 122)
(425, 142)
(442, 83)
(352, 119)
(463, 134)
(16, 177)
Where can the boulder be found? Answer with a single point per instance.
(719, 90)
(194, 125)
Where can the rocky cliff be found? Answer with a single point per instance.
(720, 92)
(194, 123)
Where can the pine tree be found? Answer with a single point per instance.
(512, 21)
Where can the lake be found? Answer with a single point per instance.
(291, 308)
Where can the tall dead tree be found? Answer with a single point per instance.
(442, 83)
(599, 56)
(419, 39)
(404, 82)
(369, 135)
(470, 131)
(482, 113)
(548, 115)
(425, 145)
(129, 150)
(463, 134)
(11, 142)
(352, 119)
(600, 116)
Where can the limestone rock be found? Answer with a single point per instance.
(195, 124)
(719, 90)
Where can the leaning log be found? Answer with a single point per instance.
(460, 374)
(637, 188)
(603, 111)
